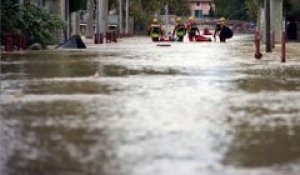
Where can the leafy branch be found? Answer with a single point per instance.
(30, 21)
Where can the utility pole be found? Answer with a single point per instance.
(167, 13)
(101, 20)
(67, 19)
(268, 25)
(121, 16)
(127, 17)
(0, 42)
(75, 22)
(105, 15)
(90, 24)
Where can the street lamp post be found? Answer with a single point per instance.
(268, 25)
(67, 19)
(127, 17)
(283, 42)
(90, 24)
(121, 16)
(101, 21)
(167, 13)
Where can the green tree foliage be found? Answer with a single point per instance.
(144, 11)
(111, 4)
(179, 7)
(292, 9)
(235, 9)
(29, 21)
(253, 8)
(176, 7)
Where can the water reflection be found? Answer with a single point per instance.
(82, 87)
(264, 147)
(266, 131)
(135, 108)
(39, 67)
(55, 138)
(259, 84)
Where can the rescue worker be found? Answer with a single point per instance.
(192, 29)
(223, 31)
(155, 30)
(179, 30)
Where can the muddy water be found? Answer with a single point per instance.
(139, 109)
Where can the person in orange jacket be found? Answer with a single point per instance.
(192, 29)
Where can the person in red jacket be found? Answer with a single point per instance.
(192, 29)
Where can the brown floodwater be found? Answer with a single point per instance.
(134, 108)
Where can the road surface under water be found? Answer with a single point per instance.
(138, 109)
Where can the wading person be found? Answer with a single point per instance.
(179, 30)
(192, 29)
(223, 31)
(155, 30)
(206, 31)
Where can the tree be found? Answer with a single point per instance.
(30, 21)
(179, 7)
(236, 9)
(292, 9)
(253, 8)
(112, 4)
(144, 10)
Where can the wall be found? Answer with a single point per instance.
(204, 6)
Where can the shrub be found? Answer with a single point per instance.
(29, 20)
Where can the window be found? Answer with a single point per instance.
(198, 13)
(198, 3)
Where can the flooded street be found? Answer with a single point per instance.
(134, 108)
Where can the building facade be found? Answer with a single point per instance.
(201, 8)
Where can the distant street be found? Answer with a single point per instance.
(134, 108)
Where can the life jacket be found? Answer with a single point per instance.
(155, 31)
(180, 30)
(192, 28)
(155, 28)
